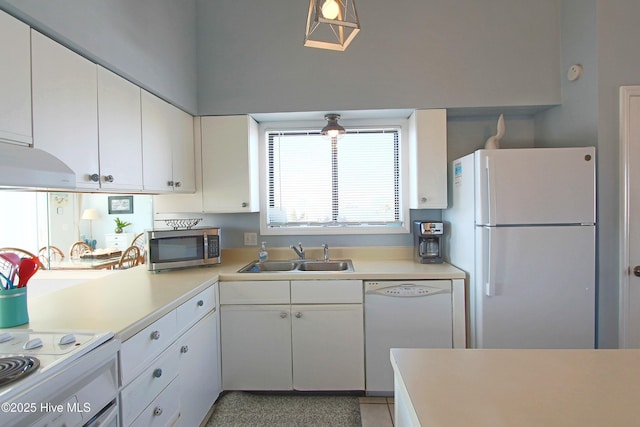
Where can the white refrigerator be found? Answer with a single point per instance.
(521, 223)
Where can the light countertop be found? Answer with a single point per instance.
(125, 302)
(518, 387)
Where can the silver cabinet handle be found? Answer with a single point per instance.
(157, 373)
(636, 270)
(155, 335)
(108, 178)
(283, 314)
(298, 315)
(178, 184)
(94, 177)
(184, 349)
(157, 411)
(169, 183)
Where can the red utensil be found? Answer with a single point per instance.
(26, 269)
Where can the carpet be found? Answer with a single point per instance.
(244, 409)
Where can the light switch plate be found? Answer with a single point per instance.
(250, 239)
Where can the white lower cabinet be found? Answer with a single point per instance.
(256, 347)
(169, 371)
(327, 347)
(198, 370)
(273, 344)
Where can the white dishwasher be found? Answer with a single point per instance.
(403, 314)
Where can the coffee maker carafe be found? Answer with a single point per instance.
(428, 238)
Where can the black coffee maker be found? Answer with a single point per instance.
(428, 238)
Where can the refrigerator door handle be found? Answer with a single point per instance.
(490, 285)
(491, 186)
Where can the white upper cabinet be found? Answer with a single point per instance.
(167, 147)
(120, 132)
(428, 159)
(65, 117)
(230, 164)
(15, 81)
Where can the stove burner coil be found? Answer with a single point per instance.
(15, 368)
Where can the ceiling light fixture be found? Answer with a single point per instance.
(331, 24)
(333, 128)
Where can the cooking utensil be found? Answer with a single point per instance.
(27, 268)
(14, 260)
(8, 284)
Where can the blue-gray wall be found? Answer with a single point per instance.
(409, 54)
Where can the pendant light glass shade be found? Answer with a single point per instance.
(331, 24)
(333, 128)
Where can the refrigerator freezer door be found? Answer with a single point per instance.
(535, 186)
(534, 287)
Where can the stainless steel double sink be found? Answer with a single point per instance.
(302, 265)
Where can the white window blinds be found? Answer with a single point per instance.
(314, 181)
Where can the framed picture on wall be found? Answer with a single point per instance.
(120, 204)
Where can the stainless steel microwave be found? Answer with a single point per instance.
(168, 249)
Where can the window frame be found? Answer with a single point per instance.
(400, 123)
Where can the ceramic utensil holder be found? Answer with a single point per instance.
(13, 307)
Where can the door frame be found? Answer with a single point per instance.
(626, 93)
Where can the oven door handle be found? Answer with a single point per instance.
(108, 417)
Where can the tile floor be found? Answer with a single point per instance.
(376, 411)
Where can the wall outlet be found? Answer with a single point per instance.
(251, 239)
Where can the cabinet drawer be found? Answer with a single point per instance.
(163, 411)
(196, 308)
(255, 292)
(326, 291)
(139, 350)
(144, 389)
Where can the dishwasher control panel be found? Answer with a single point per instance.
(407, 289)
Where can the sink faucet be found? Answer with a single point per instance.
(298, 250)
(326, 252)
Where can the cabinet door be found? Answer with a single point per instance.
(256, 347)
(183, 161)
(428, 156)
(119, 130)
(15, 80)
(199, 370)
(65, 107)
(230, 164)
(328, 347)
(157, 157)
(185, 203)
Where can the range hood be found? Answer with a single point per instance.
(31, 168)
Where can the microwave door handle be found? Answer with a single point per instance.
(206, 247)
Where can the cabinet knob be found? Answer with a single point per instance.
(157, 411)
(178, 184)
(94, 177)
(184, 349)
(423, 200)
(283, 314)
(200, 303)
(298, 315)
(155, 335)
(108, 178)
(169, 183)
(245, 204)
(636, 270)
(157, 373)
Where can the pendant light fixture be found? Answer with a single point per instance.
(331, 24)
(333, 128)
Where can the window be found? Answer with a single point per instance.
(315, 184)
